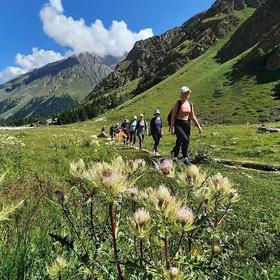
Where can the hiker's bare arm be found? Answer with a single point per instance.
(173, 116)
(195, 121)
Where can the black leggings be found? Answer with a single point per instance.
(132, 137)
(182, 131)
(156, 136)
(141, 137)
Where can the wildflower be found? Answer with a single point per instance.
(174, 272)
(133, 190)
(233, 195)
(8, 210)
(57, 268)
(165, 166)
(185, 215)
(192, 174)
(60, 196)
(163, 194)
(141, 217)
(221, 187)
(77, 169)
(215, 247)
(135, 165)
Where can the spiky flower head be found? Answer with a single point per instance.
(163, 194)
(57, 268)
(8, 210)
(77, 168)
(174, 272)
(185, 215)
(111, 179)
(165, 166)
(133, 190)
(222, 187)
(141, 217)
(135, 165)
(192, 174)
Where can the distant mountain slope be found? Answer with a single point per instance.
(52, 88)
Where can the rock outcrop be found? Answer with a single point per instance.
(154, 59)
(254, 30)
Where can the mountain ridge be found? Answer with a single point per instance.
(68, 81)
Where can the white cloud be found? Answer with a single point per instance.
(37, 59)
(77, 35)
(56, 4)
(10, 72)
(25, 63)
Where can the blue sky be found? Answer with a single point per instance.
(55, 28)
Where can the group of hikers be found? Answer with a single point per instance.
(129, 131)
(179, 120)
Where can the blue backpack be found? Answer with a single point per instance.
(132, 126)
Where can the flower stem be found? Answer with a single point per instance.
(166, 251)
(178, 247)
(189, 243)
(141, 251)
(113, 232)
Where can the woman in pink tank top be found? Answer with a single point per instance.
(182, 114)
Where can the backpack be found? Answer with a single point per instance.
(133, 125)
(179, 108)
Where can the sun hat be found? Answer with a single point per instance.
(157, 111)
(184, 89)
(135, 117)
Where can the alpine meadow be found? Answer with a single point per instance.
(136, 156)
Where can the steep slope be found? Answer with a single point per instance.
(52, 88)
(262, 49)
(261, 23)
(154, 59)
(216, 96)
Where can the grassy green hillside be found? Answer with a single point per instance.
(216, 98)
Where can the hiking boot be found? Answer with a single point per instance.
(175, 161)
(186, 161)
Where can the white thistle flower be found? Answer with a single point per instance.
(141, 217)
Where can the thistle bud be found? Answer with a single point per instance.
(165, 166)
(141, 217)
(133, 190)
(185, 215)
(60, 196)
(174, 272)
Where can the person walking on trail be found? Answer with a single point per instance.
(156, 130)
(142, 130)
(125, 130)
(103, 132)
(182, 114)
(132, 130)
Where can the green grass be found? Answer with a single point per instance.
(42, 166)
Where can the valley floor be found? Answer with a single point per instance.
(37, 164)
